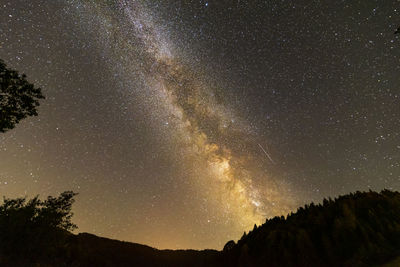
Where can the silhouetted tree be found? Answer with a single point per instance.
(229, 245)
(18, 98)
(35, 229)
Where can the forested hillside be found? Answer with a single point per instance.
(360, 229)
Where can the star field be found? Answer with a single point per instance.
(183, 123)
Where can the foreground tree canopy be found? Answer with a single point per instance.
(18, 98)
(34, 228)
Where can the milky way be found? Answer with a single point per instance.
(206, 132)
(183, 123)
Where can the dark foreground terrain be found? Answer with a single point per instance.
(360, 229)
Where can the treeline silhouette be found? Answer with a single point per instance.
(35, 230)
(359, 229)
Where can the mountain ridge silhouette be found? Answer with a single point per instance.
(358, 229)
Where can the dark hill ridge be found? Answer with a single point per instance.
(359, 229)
(90, 250)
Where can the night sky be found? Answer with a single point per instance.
(181, 124)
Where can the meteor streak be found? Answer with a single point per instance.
(266, 153)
